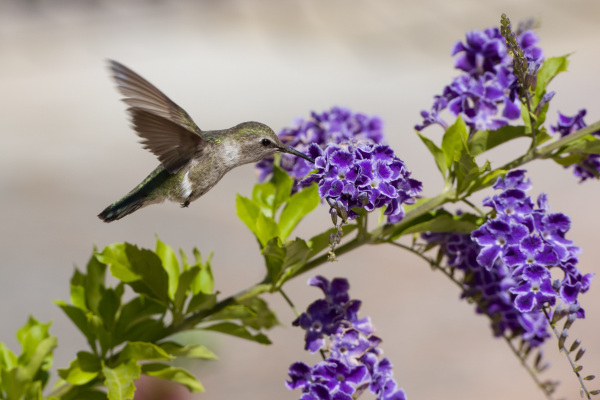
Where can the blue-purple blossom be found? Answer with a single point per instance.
(589, 166)
(507, 261)
(333, 126)
(362, 175)
(353, 363)
(486, 93)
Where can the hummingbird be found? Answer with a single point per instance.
(192, 161)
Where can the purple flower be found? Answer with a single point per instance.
(334, 126)
(320, 320)
(353, 363)
(534, 290)
(337, 375)
(487, 84)
(361, 175)
(589, 166)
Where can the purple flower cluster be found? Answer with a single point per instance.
(589, 166)
(487, 83)
(353, 364)
(334, 126)
(507, 261)
(357, 175)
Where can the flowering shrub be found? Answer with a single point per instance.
(502, 260)
(353, 363)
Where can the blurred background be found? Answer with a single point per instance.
(67, 152)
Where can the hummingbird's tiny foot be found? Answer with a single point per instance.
(185, 205)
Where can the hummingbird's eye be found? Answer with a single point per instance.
(265, 142)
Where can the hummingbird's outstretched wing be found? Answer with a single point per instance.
(166, 129)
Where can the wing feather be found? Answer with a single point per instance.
(165, 128)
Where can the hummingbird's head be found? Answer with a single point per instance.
(259, 141)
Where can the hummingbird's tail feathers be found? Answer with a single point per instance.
(127, 205)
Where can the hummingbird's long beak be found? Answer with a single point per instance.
(290, 150)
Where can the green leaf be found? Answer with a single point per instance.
(486, 179)
(248, 212)
(549, 69)
(120, 267)
(88, 362)
(296, 254)
(445, 222)
(185, 280)
(79, 318)
(108, 307)
(235, 311)
(34, 391)
(588, 146)
(453, 142)
(96, 325)
(542, 136)
(7, 358)
(298, 206)
(238, 331)
(263, 195)
(568, 160)
(14, 382)
(148, 330)
(321, 242)
(174, 374)
(30, 336)
(467, 171)
(169, 262)
(136, 310)
(483, 141)
(274, 255)
(94, 283)
(438, 154)
(266, 229)
(42, 352)
(189, 351)
(201, 302)
(75, 375)
(78, 297)
(264, 317)
(204, 281)
(148, 267)
(120, 380)
(283, 186)
(140, 351)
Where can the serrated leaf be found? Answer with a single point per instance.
(238, 331)
(115, 255)
(174, 374)
(140, 351)
(170, 264)
(75, 375)
(454, 140)
(298, 206)
(438, 154)
(201, 302)
(321, 241)
(483, 141)
(120, 380)
(189, 351)
(248, 212)
(185, 280)
(30, 336)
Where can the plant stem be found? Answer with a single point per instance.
(287, 299)
(474, 207)
(564, 350)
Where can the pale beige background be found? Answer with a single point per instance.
(67, 152)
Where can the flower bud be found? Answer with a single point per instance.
(589, 377)
(334, 216)
(570, 320)
(575, 345)
(580, 353)
(563, 337)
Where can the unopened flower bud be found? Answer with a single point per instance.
(580, 353)
(575, 345)
(334, 215)
(563, 337)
